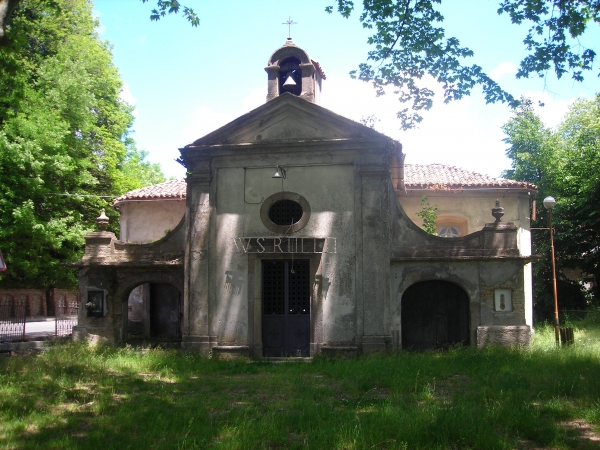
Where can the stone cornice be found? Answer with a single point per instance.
(420, 256)
(196, 152)
(374, 170)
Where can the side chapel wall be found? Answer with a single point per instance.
(479, 263)
(146, 221)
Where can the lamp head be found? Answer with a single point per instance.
(279, 173)
(549, 203)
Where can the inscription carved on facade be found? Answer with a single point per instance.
(285, 244)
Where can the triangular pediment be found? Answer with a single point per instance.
(285, 118)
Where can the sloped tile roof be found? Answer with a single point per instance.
(172, 190)
(444, 177)
(434, 176)
(319, 69)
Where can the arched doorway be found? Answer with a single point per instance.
(154, 313)
(435, 314)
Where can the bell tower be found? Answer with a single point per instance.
(290, 69)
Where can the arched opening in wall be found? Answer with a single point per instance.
(450, 227)
(435, 314)
(154, 313)
(290, 76)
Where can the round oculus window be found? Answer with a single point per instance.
(285, 212)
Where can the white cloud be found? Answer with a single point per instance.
(553, 110)
(203, 121)
(503, 69)
(99, 28)
(462, 133)
(256, 98)
(126, 94)
(465, 133)
(128, 97)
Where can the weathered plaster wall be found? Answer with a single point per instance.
(479, 279)
(239, 198)
(117, 283)
(473, 205)
(146, 221)
(117, 268)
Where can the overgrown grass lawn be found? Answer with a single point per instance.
(78, 397)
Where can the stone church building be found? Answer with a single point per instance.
(294, 234)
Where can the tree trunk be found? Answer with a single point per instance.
(6, 9)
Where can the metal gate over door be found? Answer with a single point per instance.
(435, 314)
(286, 308)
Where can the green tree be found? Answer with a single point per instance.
(564, 163)
(428, 214)
(409, 43)
(64, 145)
(163, 7)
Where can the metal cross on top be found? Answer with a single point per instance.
(289, 23)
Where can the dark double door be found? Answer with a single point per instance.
(165, 312)
(286, 307)
(435, 314)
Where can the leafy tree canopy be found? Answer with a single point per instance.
(64, 145)
(564, 163)
(164, 7)
(409, 43)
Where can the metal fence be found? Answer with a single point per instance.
(12, 319)
(66, 316)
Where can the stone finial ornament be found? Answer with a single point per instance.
(497, 211)
(102, 220)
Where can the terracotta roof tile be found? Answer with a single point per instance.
(434, 176)
(172, 189)
(442, 176)
(319, 68)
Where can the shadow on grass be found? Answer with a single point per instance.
(85, 398)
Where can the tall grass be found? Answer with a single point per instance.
(79, 397)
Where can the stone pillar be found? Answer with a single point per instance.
(106, 329)
(273, 81)
(308, 82)
(196, 272)
(375, 256)
(500, 237)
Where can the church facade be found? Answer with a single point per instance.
(294, 242)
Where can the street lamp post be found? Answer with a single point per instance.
(549, 204)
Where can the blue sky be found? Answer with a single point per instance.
(185, 82)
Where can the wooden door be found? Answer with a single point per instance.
(435, 314)
(165, 311)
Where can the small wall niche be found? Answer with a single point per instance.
(96, 303)
(502, 300)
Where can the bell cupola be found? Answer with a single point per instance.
(290, 69)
